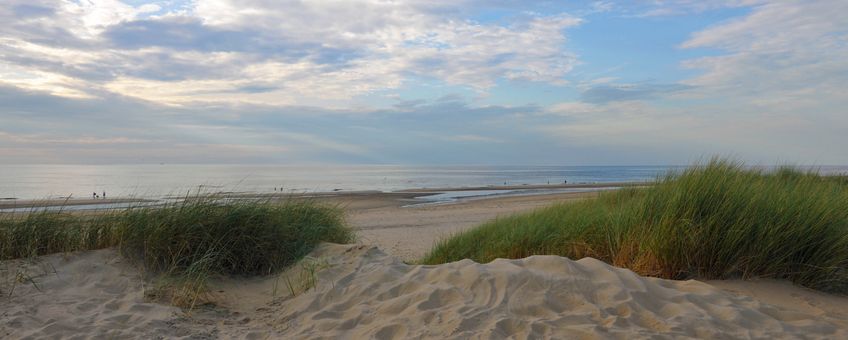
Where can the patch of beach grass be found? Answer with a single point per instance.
(186, 241)
(41, 232)
(718, 220)
(236, 237)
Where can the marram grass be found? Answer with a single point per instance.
(235, 238)
(186, 241)
(719, 220)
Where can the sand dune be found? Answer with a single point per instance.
(363, 293)
(86, 295)
(374, 295)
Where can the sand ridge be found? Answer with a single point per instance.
(374, 295)
(361, 292)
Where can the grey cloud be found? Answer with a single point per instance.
(155, 65)
(181, 34)
(41, 32)
(88, 71)
(192, 34)
(38, 22)
(165, 66)
(32, 11)
(256, 89)
(152, 132)
(624, 92)
(29, 111)
(409, 104)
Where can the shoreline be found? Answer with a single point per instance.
(57, 202)
(405, 195)
(532, 187)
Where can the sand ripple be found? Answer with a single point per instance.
(90, 295)
(377, 296)
(363, 293)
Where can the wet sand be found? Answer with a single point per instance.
(353, 200)
(58, 202)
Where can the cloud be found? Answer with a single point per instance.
(406, 82)
(472, 138)
(685, 7)
(177, 33)
(32, 11)
(627, 92)
(787, 49)
(772, 89)
(47, 140)
(124, 129)
(278, 53)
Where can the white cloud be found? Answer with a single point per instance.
(249, 79)
(37, 80)
(778, 92)
(782, 83)
(271, 52)
(88, 18)
(783, 49)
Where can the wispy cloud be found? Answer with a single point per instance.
(472, 138)
(782, 49)
(419, 81)
(223, 51)
(627, 92)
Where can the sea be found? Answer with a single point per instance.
(160, 180)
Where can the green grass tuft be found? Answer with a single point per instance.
(235, 238)
(185, 241)
(714, 221)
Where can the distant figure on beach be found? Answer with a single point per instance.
(104, 194)
(94, 195)
(564, 182)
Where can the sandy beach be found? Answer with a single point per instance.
(40, 203)
(408, 232)
(370, 290)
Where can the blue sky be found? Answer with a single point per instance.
(423, 82)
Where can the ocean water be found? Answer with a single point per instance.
(156, 181)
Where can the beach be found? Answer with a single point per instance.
(372, 289)
(408, 232)
(375, 169)
(381, 169)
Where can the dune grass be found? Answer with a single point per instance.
(41, 232)
(718, 220)
(186, 241)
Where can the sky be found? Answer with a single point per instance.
(486, 82)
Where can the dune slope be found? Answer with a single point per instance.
(375, 295)
(92, 294)
(363, 293)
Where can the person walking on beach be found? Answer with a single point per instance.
(104, 194)
(94, 195)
